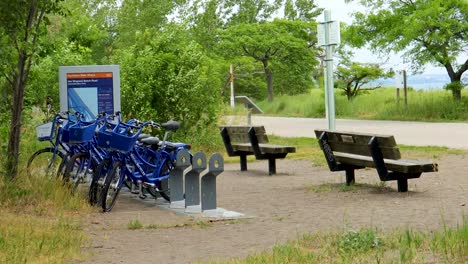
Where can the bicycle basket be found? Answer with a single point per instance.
(65, 131)
(123, 138)
(82, 132)
(44, 131)
(104, 135)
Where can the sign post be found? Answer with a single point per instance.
(90, 90)
(328, 34)
(401, 82)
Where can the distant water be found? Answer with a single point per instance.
(419, 82)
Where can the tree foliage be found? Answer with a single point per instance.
(352, 77)
(174, 55)
(280, 42)
(427, 31)
(21, 25)
(167, 77)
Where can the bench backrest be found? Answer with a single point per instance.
(240, 134)
(358, 143)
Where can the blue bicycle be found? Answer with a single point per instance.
(52, 160)
(146, 165)
(81, 165)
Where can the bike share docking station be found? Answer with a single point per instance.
(197, 178)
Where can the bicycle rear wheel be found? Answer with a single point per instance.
(162, 187)
(112, 186)
(48, 162)
(79, 170)
(98, 181)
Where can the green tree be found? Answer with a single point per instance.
(22, 22)
(79, 38)
(167, 76)
(136, 16)
(427, 31)
(305, 10)
(249, 11)
(351, 77)
(270, 43)
(204, 22)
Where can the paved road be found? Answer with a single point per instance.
(453, 135)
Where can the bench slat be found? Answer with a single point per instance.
(265, 148)
(251, 140)
(358, 138)
(387, 152)
(240, 134)
(403, 166)
(357, 143)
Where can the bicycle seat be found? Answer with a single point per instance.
(171, 125)
(143, 136)
(152, 141)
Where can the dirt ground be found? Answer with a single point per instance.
(281, 207)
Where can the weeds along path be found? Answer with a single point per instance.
(282, 207)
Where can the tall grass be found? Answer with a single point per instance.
(449, 245)
(29, 239)
(39, 221)
(434, 105)
(39, 217)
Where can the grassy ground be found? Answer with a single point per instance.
(449, 245)
(309, 149)
(436, 105)
(40, 221)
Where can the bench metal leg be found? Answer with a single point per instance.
(402, 185)
(349, 177)
(243, 162)
(271, 166)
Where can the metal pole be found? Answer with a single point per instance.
(329, 89)
(231, 73)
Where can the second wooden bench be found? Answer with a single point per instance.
(348, 151)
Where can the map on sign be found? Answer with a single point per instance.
(90, 90)
(90, 93)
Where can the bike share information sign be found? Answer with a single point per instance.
(90, 90)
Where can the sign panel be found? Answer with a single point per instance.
(90, 90)
(334, 37)
(399, 79)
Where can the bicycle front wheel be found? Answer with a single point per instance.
(112, 186)
(98, 181)
(47, 162)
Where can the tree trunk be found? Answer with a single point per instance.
(270, 85)
(16, 116)
(455, 78)
(456, 94)
(269, 79)
(455, 86)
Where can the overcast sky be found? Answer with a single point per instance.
(342, 12)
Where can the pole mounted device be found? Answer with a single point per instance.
(328, 35)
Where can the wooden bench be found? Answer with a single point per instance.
(349, 151)
(252, 140)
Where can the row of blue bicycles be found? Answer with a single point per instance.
(106, 154)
